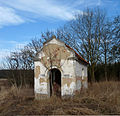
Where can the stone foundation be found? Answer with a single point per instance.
(39, 96)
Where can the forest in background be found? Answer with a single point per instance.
(93, 35)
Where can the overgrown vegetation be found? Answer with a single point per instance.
(100, 98)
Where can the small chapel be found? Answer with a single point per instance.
(59, 70)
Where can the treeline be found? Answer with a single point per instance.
(92, 35)
(18, 77)
(113, 72)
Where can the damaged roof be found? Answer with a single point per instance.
(79, 57)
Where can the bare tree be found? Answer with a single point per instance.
(86, 32)
(21, 63)
(115, 52)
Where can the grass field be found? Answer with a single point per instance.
(100, 98)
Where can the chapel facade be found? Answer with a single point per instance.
(59, 70)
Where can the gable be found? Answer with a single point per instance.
(55, 48)
(60, 50)
(53, 53)
(54, 41)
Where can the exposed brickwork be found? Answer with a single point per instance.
(67, 81)
(56, 55)
(37, 71)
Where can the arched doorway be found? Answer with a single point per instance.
(55, 82)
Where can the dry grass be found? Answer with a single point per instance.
(100, 98)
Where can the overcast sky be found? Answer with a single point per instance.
(22, 20)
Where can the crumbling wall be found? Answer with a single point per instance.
(55, 54)
(40, 81)
(68, 79)
(81, 80)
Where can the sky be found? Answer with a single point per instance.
(23, 20)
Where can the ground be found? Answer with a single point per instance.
(100, 98)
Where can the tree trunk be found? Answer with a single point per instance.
(92, 73)
(106, 64)
(106, 73)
